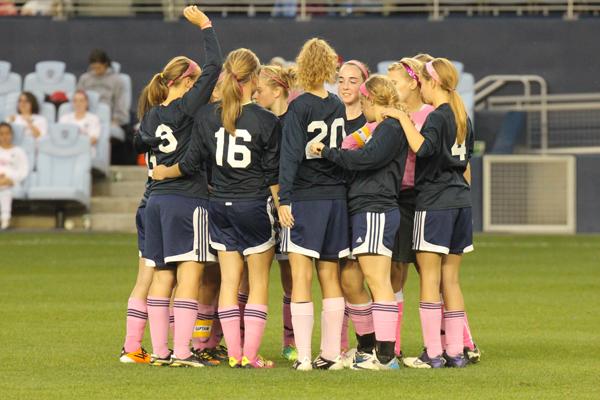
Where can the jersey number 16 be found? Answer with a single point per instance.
(238, 155)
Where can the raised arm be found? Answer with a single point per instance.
(200, 93)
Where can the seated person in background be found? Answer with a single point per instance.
(39, 8)
(89, 124)
(103, 79)
(13, 169)
(28, 115)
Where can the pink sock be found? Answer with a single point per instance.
(288, 330)
(242, 301)
(443, 328)
(204, 324)
(158, 318)
(455, 321)
(216, 333)
(302, 322)
(345, 342)
(230, 322)
(385, 319)
(255, 320)
(332, 318)
(362, 318)
(467, 337)
(172, 322)
(400, 304)
(431, 322)
(185, 311)
(137, 315)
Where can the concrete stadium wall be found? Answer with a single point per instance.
(565, 53)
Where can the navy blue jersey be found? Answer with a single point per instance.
(243, 166)
(380, 168)
(441, 163)
(173, 124)
(355, 124)
(303, 176)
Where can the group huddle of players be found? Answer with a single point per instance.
(249, 162)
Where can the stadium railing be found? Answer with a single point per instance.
(304, 9)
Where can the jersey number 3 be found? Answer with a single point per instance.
(166, 134)
(238, 155)
(459, 150)
(321, 126)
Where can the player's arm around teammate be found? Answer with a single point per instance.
(374, 210)
(443, 225)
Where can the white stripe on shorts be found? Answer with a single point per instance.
(373, 241)
(419, 242)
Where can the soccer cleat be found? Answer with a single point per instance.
(348, 358)
(234, 362)
(424, 361)
(140, 356)
(400, 357)
(474, 356)
(304, 365)
(363, 360)
(156, 361)
(192, 361)
(219, 352)
(456, 362)
(290, 353)
(260, 362)
(207, 357)
(391, 365)
(332, 365)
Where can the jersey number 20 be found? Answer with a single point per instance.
(238, 155)
(321, 126)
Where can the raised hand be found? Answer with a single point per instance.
(196, 17)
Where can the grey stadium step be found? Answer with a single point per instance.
(128, 173)
(119, 189)
(104, 204)
(113, 222)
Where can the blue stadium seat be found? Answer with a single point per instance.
(126, 83)
(101, 161)
(513, 127)
(466, 89)
(10, 82)
(50, 77)
(460, 67)
(63, 167)
(27, 143)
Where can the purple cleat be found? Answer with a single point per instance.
(458, 361)
(424, 361)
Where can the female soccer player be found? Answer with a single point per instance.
(443, 226)
(313, 210)
(272, 92)
(352, 74)
(242, 141)
(372, 200)
(404, 76)
(176, 222)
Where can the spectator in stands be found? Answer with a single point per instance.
(39, 8)
(89, 124)
(13, 169)
(103, 79)
(8, 8)
(28, 115)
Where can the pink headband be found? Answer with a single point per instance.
(410, 72)
(363, 90)
(431, 70)
(363, 69)
(192, 67)
(276, 79)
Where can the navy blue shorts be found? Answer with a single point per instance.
(139, 224)
(245, 226)
(444, 231)
(403, 247)
(176, 230)
(375, 233)
(320, 230)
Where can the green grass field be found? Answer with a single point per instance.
(533, 306)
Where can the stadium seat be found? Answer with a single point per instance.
(49, 77)
(101, 161)
(27, 143)
(466, 83)
(382, 67)
(460, 67)
(126, 83)
(10, 82)
(513, 127)
(63, 167)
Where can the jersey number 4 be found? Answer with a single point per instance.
(336, 126)
(459, 150)
(238, 155)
